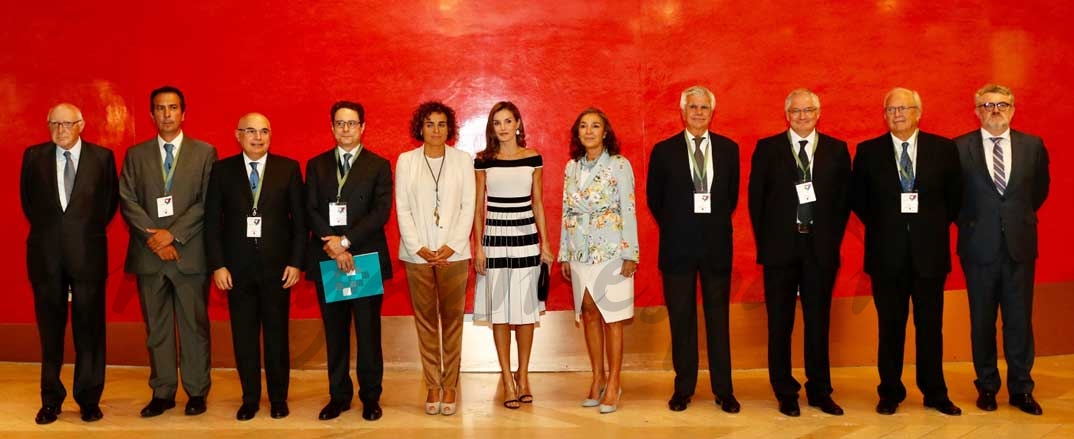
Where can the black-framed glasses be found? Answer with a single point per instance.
(55, 124)
(899, 109)
(352, 124)
(808, 111)
(992, 106)
(253, 131)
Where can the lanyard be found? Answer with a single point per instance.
(341, 178)
(700, 169)
(169, 175)
(812, 148)
(260, 185)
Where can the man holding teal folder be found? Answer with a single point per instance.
(349, 199)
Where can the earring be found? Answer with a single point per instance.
(518, 132)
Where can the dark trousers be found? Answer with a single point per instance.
(337, 318)
(259, 307)
(88, 329)
(782, 287)
(1008, 285)
(175, 302)
(892, 296)
(680, 295)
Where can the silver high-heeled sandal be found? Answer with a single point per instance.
(590, 402)
(606, 408)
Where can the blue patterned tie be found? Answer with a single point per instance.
(169, 161)
(998, 168)
(906, 175)
(255, 179)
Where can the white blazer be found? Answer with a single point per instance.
(415, 212)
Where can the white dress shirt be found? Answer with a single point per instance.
(910, 150)
(176, 142)
(706, 149)
(811, 146)
(61, 161)
(1005, 145)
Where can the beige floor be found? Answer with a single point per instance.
(555, 413)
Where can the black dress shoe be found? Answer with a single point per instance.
(371, 411)
(826, 405)
(279, 410)
(944, 406)
(729, 404)
(987, 401)
(1026, 403)
(789, 406)
(92, 413)
(195, 406)
(47, 414)
(886, 406)
(156, 407)
(246, 412)
(678, 402)
(333, 409)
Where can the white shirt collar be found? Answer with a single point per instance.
(986, 136)
(178, 140)
(811, 138)
(76, 151)
(912, 140)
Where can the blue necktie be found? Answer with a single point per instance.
(906, 176)
(169, 161)
(347, 163)
(255, 178)
(998, 168)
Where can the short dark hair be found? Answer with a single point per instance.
(427, 108)
(350, 106)
(611, 143)
(167, 89)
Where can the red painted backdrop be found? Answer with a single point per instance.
(632, 58)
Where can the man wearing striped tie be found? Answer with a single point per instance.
(1005, 176)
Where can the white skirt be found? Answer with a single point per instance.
(613, 293)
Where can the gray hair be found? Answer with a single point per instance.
(917, 97)
(696, 90)
(801, 91)
(993, 88)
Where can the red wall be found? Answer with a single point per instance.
(631, 58)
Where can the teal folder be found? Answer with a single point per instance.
(365, 281)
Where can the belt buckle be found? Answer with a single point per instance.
(805, 228)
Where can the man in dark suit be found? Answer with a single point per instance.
(799, 206)
(255, 234)
(692, 189)
(69, 192)
(1006, 179)
(358, 181)
(163, 201)
(906, 188)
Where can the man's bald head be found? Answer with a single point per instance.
(254, 134)
(65, 125)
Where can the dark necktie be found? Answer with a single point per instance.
(998, 168)
(346, 165)
(68, 175)
(906, 176)
(699, 170)
(805, 210)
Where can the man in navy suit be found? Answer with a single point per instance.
(69, 191)
(692, 190)
(799, 207)
(906, 188)
(255, 235)
(1006, 179)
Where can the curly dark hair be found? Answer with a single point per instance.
(424, 111)
(611, 143)
(492, 143)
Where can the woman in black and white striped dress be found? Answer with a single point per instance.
(510, 223)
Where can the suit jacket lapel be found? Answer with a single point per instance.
(84, 174)
(356, 173)
(1018, 161)
(49, 170)
(788, 161)
(891, 165)
(977, 159)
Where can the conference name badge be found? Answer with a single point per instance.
(337, 214)
(805, 192)
(703, 203)
(253, 227)
(909, 202)
(165, 207)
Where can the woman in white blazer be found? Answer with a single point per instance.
(434, 200)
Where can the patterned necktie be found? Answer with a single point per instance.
(805, 210)
(346, 163)
(699, 171)
(68, 175)
(169, 161)
(906, 175)
(1000, 171)
(255, 178)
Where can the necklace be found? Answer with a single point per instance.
(436, 183)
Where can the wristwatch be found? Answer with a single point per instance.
(346, 243)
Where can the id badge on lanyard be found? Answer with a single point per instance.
(337, 214)
(165, 208)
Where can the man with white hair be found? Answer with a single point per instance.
(70, 192)
(906, 189)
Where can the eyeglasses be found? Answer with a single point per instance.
(808, 111)
(254, 131)
(346, 123)
(893, 110)
(992, 106)
(67, 125)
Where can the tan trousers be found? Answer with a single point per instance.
(438, 298)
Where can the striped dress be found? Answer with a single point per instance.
(507, 293)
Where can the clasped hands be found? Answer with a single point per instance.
(438, 258)
(334, 249)
(161, 242)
